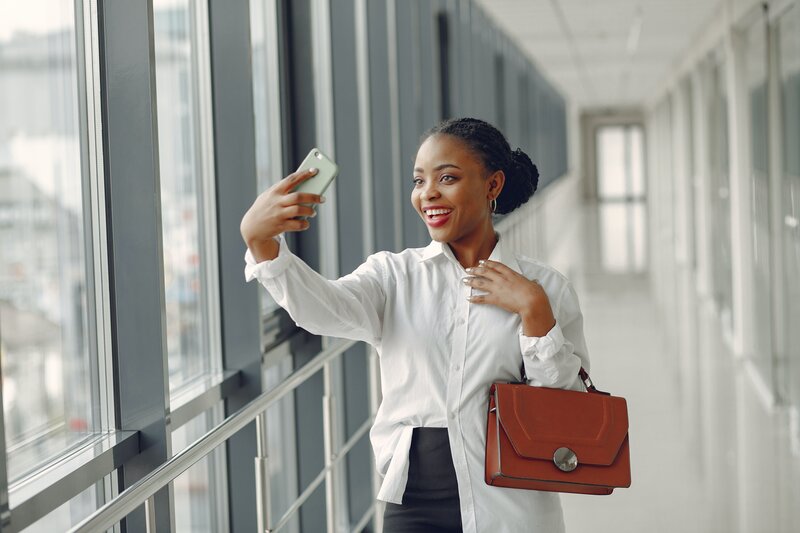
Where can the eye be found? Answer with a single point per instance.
(447, 178)
(416, 181)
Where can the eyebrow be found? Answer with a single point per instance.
(440, 167)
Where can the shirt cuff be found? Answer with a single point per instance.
(271, 267)
(542, 347)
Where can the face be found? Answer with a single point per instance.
(451, 190)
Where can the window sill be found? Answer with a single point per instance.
(40, 493)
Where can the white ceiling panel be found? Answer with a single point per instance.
(603, 53)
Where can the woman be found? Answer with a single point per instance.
(447, 320)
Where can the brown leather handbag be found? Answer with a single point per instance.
(557, 440)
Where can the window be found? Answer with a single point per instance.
(721, 259)
(266, 103)
(50, 399)
(789, 52)
(620, 166)
(185, 157)
(198, 490)
(756, 72)
(185, 166)
(620, 174)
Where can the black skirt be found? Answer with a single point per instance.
(430, 501)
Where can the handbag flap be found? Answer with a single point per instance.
(539, 420)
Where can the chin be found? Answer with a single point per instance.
(440, 236)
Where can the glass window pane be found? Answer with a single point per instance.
(789, 57)
(183, 119)
(266, 102)
(200, 491)
(45, 314)
(620, 162)
(717, 105)
(611, 162)
(73, 511)
(756, 72)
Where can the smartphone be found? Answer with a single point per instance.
(326, 171)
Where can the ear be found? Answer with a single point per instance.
(495, 183)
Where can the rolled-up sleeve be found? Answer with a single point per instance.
(554, 359)
(350, 307)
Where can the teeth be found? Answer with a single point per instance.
(432, 212)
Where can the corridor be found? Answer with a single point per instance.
(703, 456)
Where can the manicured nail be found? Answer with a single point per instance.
(481, 262)
(465, 280)
(312, 170)
(469, 270)
(322, 199)
(313, 214)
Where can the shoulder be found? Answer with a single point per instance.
(405, 257)
(535, 269)
(392, 264)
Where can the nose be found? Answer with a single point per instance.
(430, 190)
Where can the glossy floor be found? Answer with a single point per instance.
(708, 452)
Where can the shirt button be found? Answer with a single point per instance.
(460, 320)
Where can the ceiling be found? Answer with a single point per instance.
(604, 53)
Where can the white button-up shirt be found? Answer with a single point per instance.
(439, 355)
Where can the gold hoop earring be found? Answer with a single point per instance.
(493, 205)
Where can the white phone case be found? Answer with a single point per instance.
(326, 171)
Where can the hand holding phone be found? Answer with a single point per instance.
(287, 205)
(326, 171)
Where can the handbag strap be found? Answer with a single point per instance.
(587, 381)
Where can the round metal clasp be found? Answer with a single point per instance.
(565, 459)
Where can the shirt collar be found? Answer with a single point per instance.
(500, 253)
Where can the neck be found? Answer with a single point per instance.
(470, 249)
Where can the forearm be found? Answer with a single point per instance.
(536, 326)
(350, 307)
(264, 250)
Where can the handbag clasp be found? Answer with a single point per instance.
(565, 459)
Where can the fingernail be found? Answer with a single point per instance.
(312, 170)
(470, 269)
(465, 280)
(322, 199)
(313, 214)
(481, 262)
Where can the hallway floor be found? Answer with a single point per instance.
(630, 357)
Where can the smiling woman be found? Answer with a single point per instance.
(447, 320)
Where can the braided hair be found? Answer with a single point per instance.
(522, 176)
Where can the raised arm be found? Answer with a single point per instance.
(350, 307)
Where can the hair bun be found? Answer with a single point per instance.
(522, 179)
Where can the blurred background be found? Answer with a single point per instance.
(134, 135)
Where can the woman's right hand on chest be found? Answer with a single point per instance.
(274, 212)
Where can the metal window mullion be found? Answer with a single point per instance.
(329, 243)
(329, 421)
(234, 163)
(130, 163)
(776, 244)
(740, 214)
(5, 514)
(204, 157)
(394, 120)
(102, 378)
(364, 126)
(207, 220)
(368, 213)
(272, 40)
